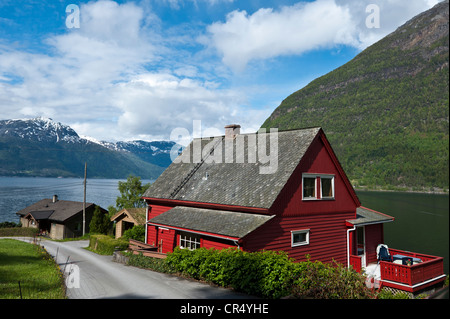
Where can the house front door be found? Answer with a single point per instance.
(361, 244)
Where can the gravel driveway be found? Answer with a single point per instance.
(96, 277)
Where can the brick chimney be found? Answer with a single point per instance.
(232, 130)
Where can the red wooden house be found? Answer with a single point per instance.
(221, 192)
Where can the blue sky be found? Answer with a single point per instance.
(140, 69)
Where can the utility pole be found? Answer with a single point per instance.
(84, 200)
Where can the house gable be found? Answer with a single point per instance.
(318, 162)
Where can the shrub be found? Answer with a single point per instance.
(18, 231)
(387, 294)
(137, 233)
(265, 274)
(328, 281)
(10, 224)
(155, 264)
(106, 245)
(100, 222)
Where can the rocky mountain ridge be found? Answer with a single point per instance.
(57, 148)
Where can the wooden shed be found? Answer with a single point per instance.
(127, 218)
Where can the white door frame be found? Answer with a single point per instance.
(361, 247)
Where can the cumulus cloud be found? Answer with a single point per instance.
(120, 76)
(157, 103)
(96, 79)
(305, 26)
(75, 78)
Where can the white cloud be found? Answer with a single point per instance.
(157, 103)
(121, 76)
(305, 26)
(96, 80)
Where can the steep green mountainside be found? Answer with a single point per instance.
(386, 112)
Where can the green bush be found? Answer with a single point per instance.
(10, 224)
(106, 245)
(100, 222)
(155, 264)
(266, 274)
(18, 231)
(319, 280)
(387, 294)
(136, 233)
(269, 274)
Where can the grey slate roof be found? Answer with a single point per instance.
(234, 183)
(38, 215)
(227, 223)
(366, 216)
(62, 209)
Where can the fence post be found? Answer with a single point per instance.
(20, 290)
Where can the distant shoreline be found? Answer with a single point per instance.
(435, 192)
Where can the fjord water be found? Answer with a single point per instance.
(421, 220)
(17, 193)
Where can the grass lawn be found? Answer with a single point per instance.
(39, 276)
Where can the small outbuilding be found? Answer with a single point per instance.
(128, 218)
(57, 219)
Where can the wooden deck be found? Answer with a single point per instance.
(410, 277)
(147, 250)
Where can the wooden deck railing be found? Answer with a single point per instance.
(356, 262)
(430, 267)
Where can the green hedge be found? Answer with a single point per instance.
(18, 231)
(106, 245)
(264, 274)
(156, 264)
(269, 274)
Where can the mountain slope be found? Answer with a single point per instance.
(386, 111)
(42, 147)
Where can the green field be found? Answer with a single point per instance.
(29, 264)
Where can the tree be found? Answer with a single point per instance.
(100, 222)
(131, 192)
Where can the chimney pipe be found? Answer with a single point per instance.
(55, 198)
(232, 130)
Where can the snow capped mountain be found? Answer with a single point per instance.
(60, 144)
(46, 130)
(38, 129)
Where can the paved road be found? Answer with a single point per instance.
(100, 277)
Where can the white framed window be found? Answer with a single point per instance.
(317, 186)
(327, 187)
(299, 237)
(309, 187)
(189, 241)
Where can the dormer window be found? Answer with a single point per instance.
(318, 186)
(309, 187)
